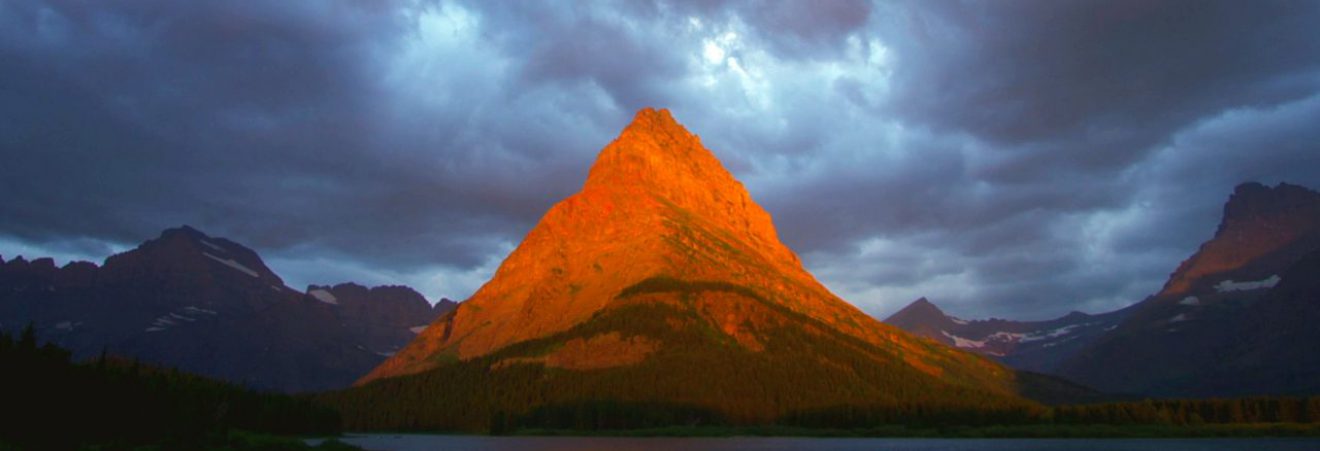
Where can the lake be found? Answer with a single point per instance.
(406, 442)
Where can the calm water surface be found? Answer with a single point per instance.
(396, 442)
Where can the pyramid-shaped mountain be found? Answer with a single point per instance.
(661, 281)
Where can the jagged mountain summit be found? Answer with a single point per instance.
(211, 306)
(1038, 346)
(661, 268)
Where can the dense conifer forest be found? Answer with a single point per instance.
(703, 379)
(700, 376)
(109, 403)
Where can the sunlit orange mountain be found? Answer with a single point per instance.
(661, 281)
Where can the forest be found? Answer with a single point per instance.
(701, 377)
(703, 380)
(113, 403)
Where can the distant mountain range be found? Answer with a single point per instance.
(211, 306)
(1237, 318)
(1038, 346)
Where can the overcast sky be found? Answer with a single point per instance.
(1011, 158)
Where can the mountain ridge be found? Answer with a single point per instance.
(178, 300)
(1036, 346)
(1236, 312)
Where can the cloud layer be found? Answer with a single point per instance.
(1015, 159)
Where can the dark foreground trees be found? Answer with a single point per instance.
(1194, 411)
(52, 403)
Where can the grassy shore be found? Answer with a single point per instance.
(1020, 431)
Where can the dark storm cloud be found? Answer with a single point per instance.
(1094, 84)
(1007, 158)
(807, 29)
(259, 121)
(1070, 116)
(584, 47)
(140, 106)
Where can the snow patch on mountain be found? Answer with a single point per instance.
(324, 296)
(417, 329)
(1005, 337)
(161, 323)
(964, 342)
(233, 264)
(1054, 333)
(213, 245)
(180, 317)
(1230, 285)
(1058, 342)
(1190, 300)
(193, 309)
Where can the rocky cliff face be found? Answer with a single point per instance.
(1262, 230)
(1177, 341)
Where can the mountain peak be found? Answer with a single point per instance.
(919, 312)
(185, 230)
(655, 151)
(652, 194)
(651, 118)
(1254, 200)
(659, 222)
(656, 164)
(653, 124)
(185, 249)
(923, 304)
(1261, 226)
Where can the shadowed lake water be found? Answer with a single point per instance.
(395, 442)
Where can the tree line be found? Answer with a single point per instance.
(1194, 411)
(807, 377)
(699, 377)
(53, 403)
